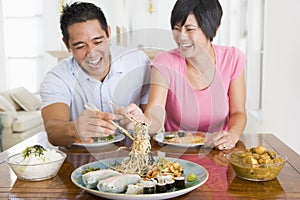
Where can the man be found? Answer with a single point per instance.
(96, 73)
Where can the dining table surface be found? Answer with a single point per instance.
(222, 182)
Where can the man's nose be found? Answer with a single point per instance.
(91, 50)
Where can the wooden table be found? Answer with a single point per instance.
(222, 182)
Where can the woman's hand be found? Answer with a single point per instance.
(223, 140)
(123, 114)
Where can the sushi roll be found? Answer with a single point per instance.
(179, 182)
(170, 184)
(161, 187)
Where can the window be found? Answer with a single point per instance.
(243, 26)
(23, 42)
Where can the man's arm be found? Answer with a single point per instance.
(63, 132)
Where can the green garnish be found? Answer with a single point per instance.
(89, 169)
(191, 177)
(36, 150)
(110, 137)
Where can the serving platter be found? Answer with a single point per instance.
(160, 138)
(189, 167)
(118, 137)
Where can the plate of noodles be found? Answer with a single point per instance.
(80, 178)
(181, 138)
(92, 142)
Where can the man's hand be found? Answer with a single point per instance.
(94, 124)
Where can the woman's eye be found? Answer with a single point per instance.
(190, 30)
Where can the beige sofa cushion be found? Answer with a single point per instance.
(27, 120)
(6, 95)
(6, 106)
(27, 100)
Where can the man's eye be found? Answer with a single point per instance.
(98, 42)
(176, 29)
(79, 47)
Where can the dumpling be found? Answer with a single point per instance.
(92, 178)
(118, 184)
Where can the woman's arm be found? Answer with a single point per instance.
(237, 116)
(155, 109)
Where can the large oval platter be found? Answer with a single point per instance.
(189, 167)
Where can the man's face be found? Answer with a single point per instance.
(89, 45)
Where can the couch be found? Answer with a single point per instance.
(20, 116)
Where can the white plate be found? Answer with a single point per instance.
(189, 167)
(117, 138)
(159, 137)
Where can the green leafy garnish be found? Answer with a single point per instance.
(89, 169)
(110, 137)
(36, 150)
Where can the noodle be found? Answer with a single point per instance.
(140, 157)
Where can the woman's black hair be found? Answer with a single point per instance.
(81, 12)
(207, 12)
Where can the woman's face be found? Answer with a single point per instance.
(89, 45)
(189, 37)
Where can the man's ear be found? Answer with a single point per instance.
(109, 32)
(66, 44)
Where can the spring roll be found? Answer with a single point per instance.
(118, 184)
(92, 178)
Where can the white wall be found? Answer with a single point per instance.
(3, 83)
(281, 95)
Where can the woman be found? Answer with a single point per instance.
(197, 86)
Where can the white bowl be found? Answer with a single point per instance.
(36, 172)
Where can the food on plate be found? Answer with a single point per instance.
(257, 163)
(181, 137)
(191, 177)
(140, 157)
(92, 178)
(99, 139)
(36, 163)
(139, 173)
(164, 169)
(89, 169)
(117, 184)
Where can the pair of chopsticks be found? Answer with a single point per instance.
(130, 117)
(90, 106)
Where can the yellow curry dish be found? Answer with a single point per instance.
(256, 164)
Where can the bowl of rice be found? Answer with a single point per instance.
(36, 163)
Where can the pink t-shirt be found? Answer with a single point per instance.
(201, 110)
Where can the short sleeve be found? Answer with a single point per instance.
(239, 63)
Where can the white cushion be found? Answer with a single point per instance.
(26, 99)
(6, 95)
(27, 120)
(6, 106)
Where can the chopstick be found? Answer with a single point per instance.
(130, 117)
(90, 106)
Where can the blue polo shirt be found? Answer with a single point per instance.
(127, 82)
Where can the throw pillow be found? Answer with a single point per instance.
(26, 99)
(5, 106)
